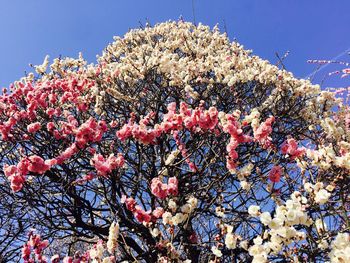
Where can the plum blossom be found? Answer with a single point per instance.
(33, 127)
(254, 210)
(275, 174)
(322, 196)
(106, 166)
(113, 237)
(37, 165)
(291, 148)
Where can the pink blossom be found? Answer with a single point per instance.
(116, 162)
(158, 212)
(10, 170)
(173, 186)
(141, 215)
(129, 202)
(159, 189)
(275, 174)
(50, 112)
(22, 166)
(90, 131)
(51, 162)
(290, 147)
(37, 165)
(68, 260)
(33, 127)
(26, 252)
(67, 153)
(105, 166)
(55, 258)
(261, 134)
(193, 238)
(230, 164)
(50, 126)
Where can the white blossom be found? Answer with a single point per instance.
(217, 252)
(322, 196)
(253, 210)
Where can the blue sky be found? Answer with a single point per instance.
(309, 29)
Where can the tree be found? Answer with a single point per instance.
(177, 145)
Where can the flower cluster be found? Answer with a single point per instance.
(106, 166)
(162, 190)
(37, 245)
(281, 227)
(113, 237)
(291, 148)
(340, 248)
(318, 193)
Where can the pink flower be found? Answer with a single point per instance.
(10, 170)
(55, 258)
(25, 252)
(50, 126)
(129, 202)
(126, 131)
(230, 164)
(116, 162)
(33, 127)
(208, 119)
(275, 174)
(104, 166)
(37, 165)
(100, 164)
(173, 186)
(261, 134)
(50, 112)
(51, 162)
(193, 238)
(158, 212)
(159, 189)
(290, 147)
(231, 148)
(68, 260)
(22, 166)
(67, 153)
(141, 215)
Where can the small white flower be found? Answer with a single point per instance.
(113, 237)
(253, 210)
(220, 212)
(172, 205)
(167, 216)
(322, 196)
(216, 251)
(291, 215)
(230, 241)
(192, 201)
(178, 218)
(275, 223)
(245, 185)
(265, 218)
(244, 244)
(258, 240)
(155, 232)
(323, 244)
(107, 260)
(172, 156)
(330, 188)
(308, 187)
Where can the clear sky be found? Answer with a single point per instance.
(309, 29)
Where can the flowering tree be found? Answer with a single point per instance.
(177, 146)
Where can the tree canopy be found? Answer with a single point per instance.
(176, 146)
